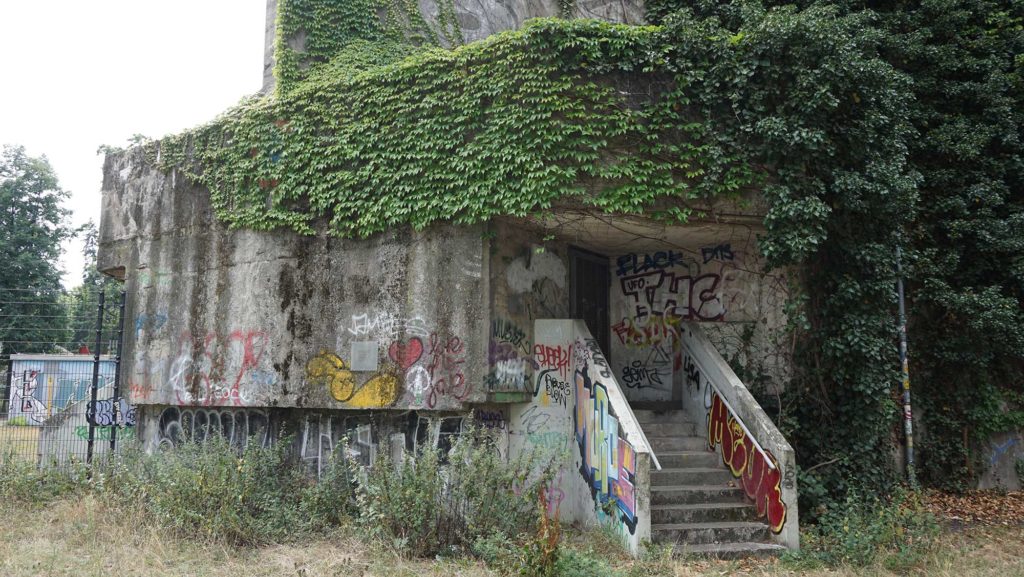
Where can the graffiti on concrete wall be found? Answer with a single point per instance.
(238, 427)
(215, 368)
(323, 436)
(150, 323)
(637, 375)
(150, 278)
(510, 358)
(445, 361)
(490, 419)
(655, 294)
(608, 461)
(329, 370)
(722, 251)
(385, 324)
(421, 368)
(760, 477)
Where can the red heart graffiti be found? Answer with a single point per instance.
(406, 354)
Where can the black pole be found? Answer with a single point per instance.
(95, 378)
(5, 401)
(118, 417)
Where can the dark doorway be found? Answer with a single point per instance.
(589, 279)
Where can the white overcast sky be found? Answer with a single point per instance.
(79, 74)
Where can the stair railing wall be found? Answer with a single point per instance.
(579, 407)
(739, 430)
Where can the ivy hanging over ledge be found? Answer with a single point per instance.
(620, 118)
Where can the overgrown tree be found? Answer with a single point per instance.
(35, 223)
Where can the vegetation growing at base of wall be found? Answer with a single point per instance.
(433, 503)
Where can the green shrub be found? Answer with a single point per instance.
(897, 532)
(19, 421)
(213, 491)
(576, 563)
(431, 504)
(24, 482)
(331, 501)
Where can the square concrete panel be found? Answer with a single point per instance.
(364, 355)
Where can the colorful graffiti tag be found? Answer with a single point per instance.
(609, 462)
(329, 370)
(761, 481)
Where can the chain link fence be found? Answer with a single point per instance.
(61, 403)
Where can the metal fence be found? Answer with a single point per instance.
(59, 407)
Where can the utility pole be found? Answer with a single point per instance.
(908, 421)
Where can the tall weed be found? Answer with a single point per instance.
(213, 491)
(898, 532)
(431, 504)
(25, 482)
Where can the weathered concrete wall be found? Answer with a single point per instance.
(711, 274)
(529, 281)
(1001, 456)
(479, 19)
(245, 318)
(269, 37)
(476, 20)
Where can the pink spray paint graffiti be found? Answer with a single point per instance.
(211, 368)
(446, 357)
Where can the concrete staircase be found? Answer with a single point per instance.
(696, 503)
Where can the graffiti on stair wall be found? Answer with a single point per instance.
(761, 481)
(509, 358)
(609, 462)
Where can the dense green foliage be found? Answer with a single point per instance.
(34, 225)
(967, 280)
(962, 235)
(441, 504)
(81, 302)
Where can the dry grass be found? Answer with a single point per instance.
(23, 441)
(77, 538)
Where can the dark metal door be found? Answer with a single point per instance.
(589, 279)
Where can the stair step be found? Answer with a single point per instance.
(676, 443)
(645, 416)
(672, 429)
(702, 513)
(707, 533)
(693, 476)
(678, 459)
(682, 494)
(731, 550)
